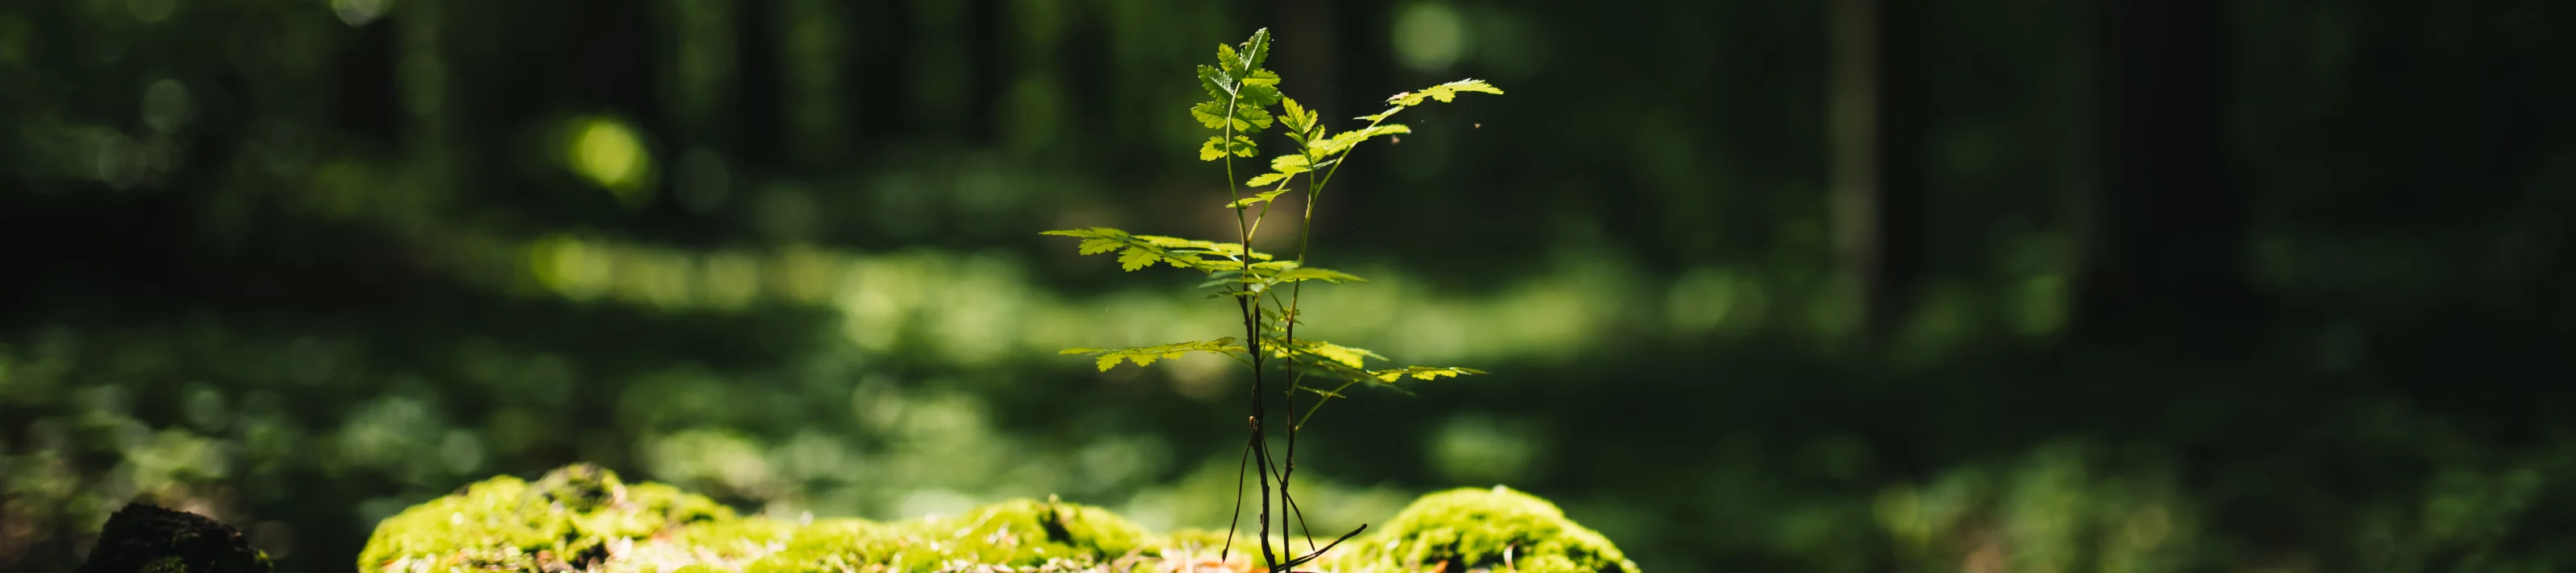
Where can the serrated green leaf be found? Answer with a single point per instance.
(1212, 149)
(1260, 77)
(1259, 119)
(1294, 116)
(1258, 198)
(1256, 50)
(1421, 373)
(1228, 61)
(1316, 274)
(1216, 147)
(1091, 232)
(1444, 92)
(1289, 164)
(1194, 246)
(1348, 356)
(1262, 180)
(1098, 245)
(1261, 88)
(1343, 141)
(1209, 113)
(1217, 82)
(1343, 361)
(1381, 116)
(1137, 257)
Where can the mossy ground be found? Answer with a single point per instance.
(584, 518)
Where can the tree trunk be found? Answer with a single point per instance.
(2165, 247)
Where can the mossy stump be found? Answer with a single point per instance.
(583, 518)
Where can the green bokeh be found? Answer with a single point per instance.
(2150, 286)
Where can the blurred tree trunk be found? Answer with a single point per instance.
(2164, 250)
(1853, 152)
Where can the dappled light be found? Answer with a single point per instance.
(1855, 285)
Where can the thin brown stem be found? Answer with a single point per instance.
(1236, 516)
(1327, 547)
(1252, 333)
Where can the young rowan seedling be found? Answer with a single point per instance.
(1243, 101)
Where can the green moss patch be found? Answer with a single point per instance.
(573, 517)
(584, 518)
(1492, 529)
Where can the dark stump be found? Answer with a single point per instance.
(148, 539)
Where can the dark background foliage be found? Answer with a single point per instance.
(1859, 285)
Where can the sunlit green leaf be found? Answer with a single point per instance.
(1343, 141)
(1098, 245)
(1258, 118)
(1263, 197)
(1209, 113)
(1352, 357)
(1216, 147)
(1091, 232)
(1228, 61)
(1296, 117)
(1194, 246)
(1217, 83)
(1290, 164)
(1147, 355)
(1256, 50)
(1315, 274)
(1284, 165)
(1137, 258)
(1421, 372)
(1444, 92)
(1261, 88)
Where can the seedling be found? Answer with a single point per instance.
(1244, 100)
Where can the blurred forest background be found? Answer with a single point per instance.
(1766, 285)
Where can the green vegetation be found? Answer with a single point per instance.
(1241, 94)
(2148, 286)
(584, 517)
(1494, 529)
(572, 516)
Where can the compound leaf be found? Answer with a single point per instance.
(1147, 355)
(1341, 142)
(1209, 113)
(1392, 375)
(1316, 274)
(1298, 119)
(1216, 147)
(1217, 82)
(1444, 92)
(1138, 257)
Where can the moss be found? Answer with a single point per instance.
(505, 524)
(1465, 529)
(1022, 533)
(584, 517)
(170, 564)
